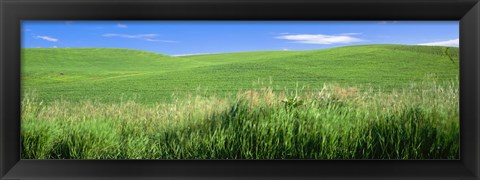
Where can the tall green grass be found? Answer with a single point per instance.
(334, 122)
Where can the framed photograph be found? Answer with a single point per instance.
(248, 89)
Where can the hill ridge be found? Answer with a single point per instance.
(258, 51)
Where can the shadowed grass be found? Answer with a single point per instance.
(334, 122)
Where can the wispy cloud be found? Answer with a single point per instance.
(349, 34)
(145, 37)
(122, 26)
(321, 38)
(452, 43)
(159, 40)
(387, 22)
(47, 38)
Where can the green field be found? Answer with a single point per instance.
(353, 102)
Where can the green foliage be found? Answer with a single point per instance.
(291, 103)
(447, 53)
(421, 122)
(357, 102)
(106, 74)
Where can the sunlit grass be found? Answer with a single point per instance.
(105, 74)
(333, 122)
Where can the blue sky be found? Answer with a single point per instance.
(197, 37)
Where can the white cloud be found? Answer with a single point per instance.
(145, 37)
(453, 43)
(320, 38)
(122, 26)
(47, 38)
(158, 40)
(387, 22)
(349, 34)
(152, 40)
(54, 47)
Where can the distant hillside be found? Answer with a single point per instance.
(108, 74)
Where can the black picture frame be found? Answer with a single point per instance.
(12, 12)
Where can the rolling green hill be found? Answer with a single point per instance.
(356, 102)
(111, 74)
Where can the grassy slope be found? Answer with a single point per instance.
(107, 74)
(335, 122)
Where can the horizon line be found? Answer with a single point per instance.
(212, 53)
